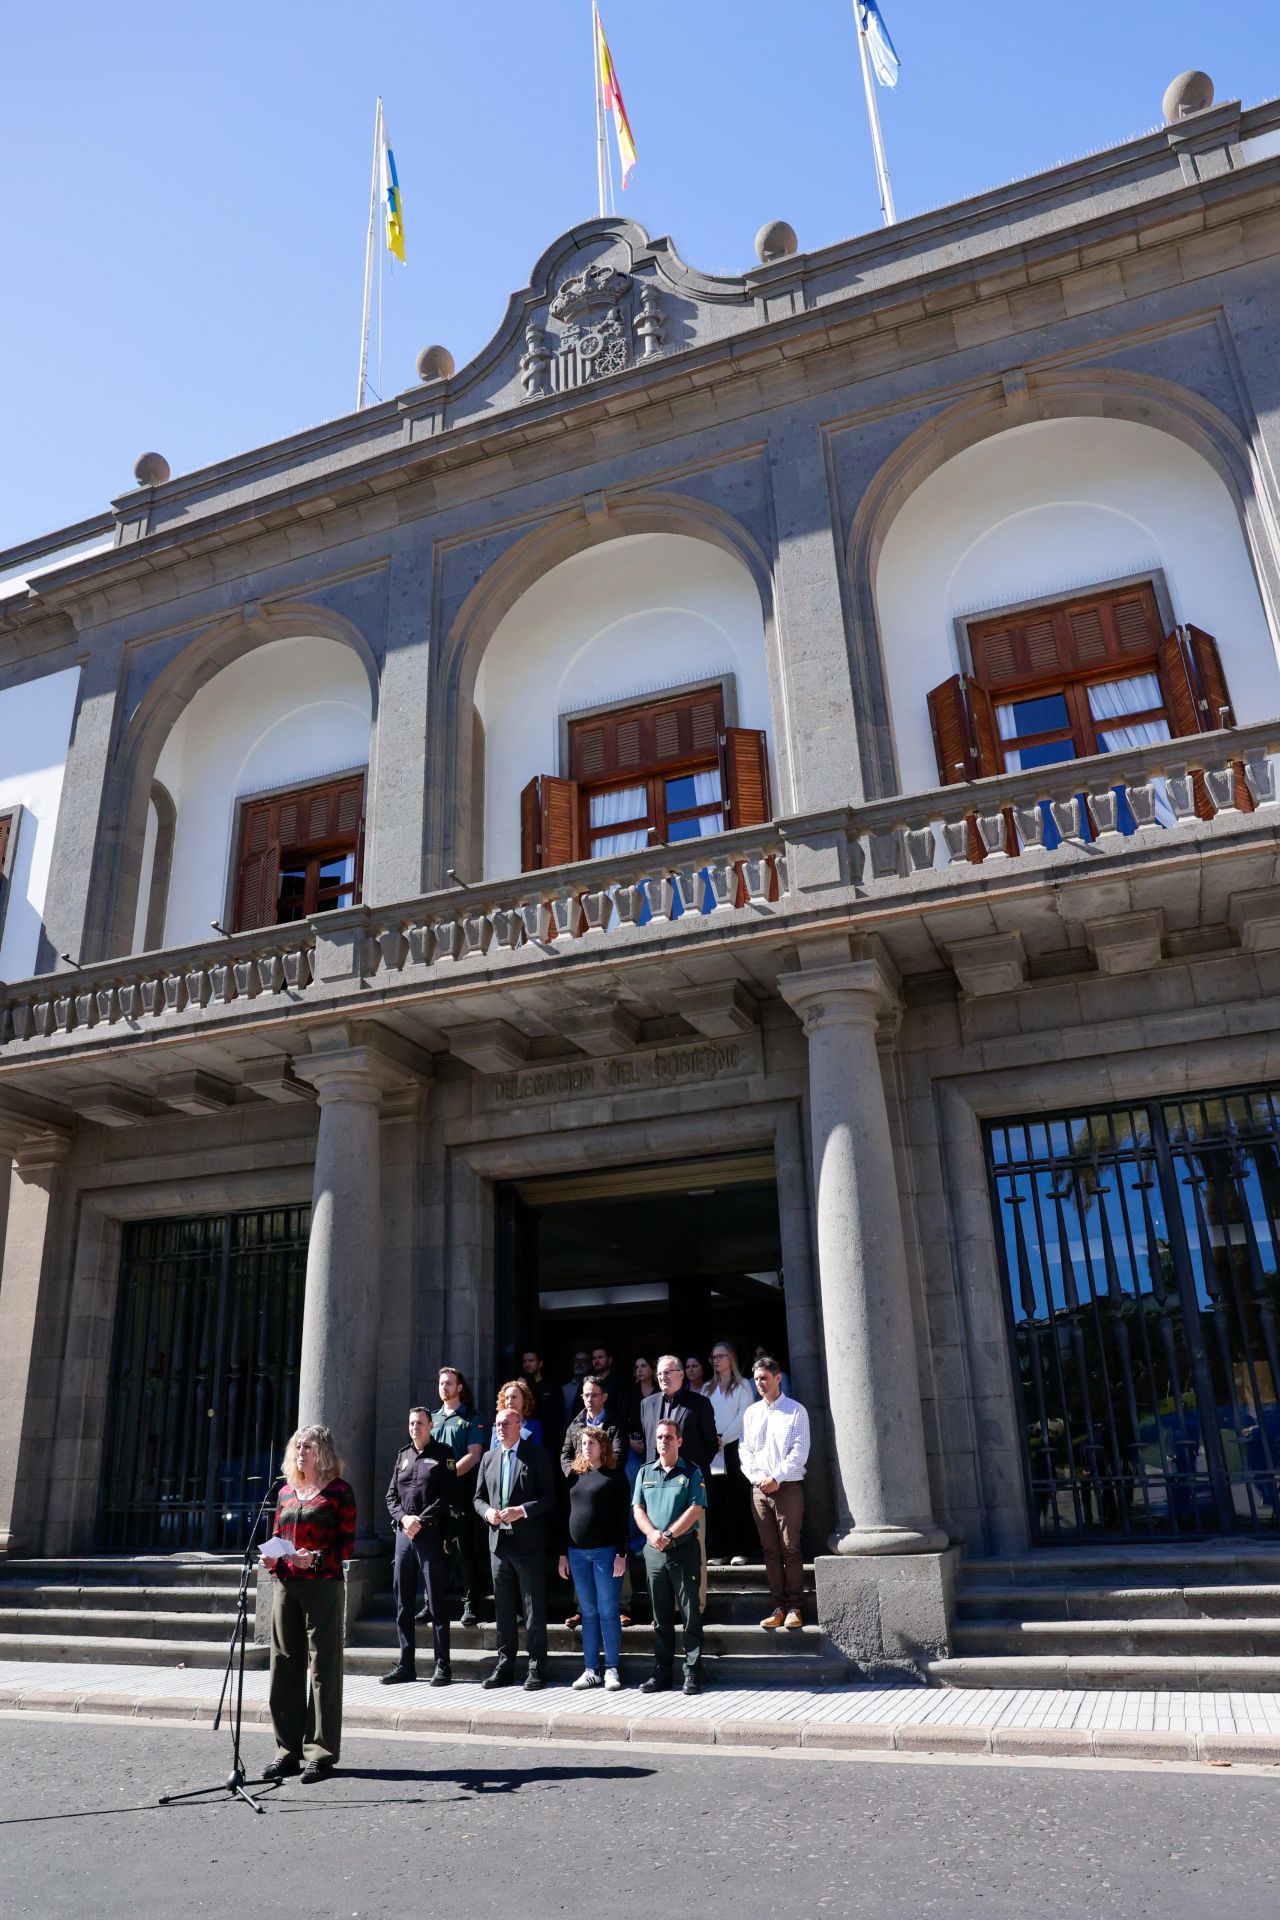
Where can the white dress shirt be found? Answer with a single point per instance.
(729, 1409)
(775, 1440)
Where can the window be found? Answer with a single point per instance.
(642, 776)
(300, 853)
(10, 824)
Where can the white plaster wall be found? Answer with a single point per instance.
(1052, 506)
(144, 891)
(35, 732)
(613, 623)
(289, 712)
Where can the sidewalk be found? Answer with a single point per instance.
(1216, 1727)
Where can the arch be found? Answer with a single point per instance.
(113, 904)
(457, 836)
(1056, 394)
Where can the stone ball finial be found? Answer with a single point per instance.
(776, 240)
(435, 363)
(151, 469)
(1190, 93)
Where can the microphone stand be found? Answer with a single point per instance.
(234, 1782)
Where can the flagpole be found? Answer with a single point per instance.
(368, 258)
(595, 66)
(887, 213)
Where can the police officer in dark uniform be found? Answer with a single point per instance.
(419, 1502)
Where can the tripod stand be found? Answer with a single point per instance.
(234, 1782)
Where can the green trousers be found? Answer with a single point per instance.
(306, 1638)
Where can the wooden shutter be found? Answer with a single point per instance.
(964, 730)
(639, 740)
(1206, 663)
(293, 823)
(1197, 701)
(6, 826)
(259, 880)
(1097, 631)
(1179, 694)
(744, 775)
(548, 822)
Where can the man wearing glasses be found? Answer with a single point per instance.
(691, 1415)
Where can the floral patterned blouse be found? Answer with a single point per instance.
(323, 1522)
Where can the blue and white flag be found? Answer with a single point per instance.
(884, 59)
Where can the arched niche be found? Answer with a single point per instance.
(615, 622)
(1045, 507)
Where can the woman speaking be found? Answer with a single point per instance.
(316, 1512)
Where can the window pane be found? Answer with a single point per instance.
(631, 840)
(621, 803)
(1042, 715)
(697, 828)
(693, 790)
(1139, 733)
(339, 870)
(292, 895)
(1111, 699)
(1047, 754)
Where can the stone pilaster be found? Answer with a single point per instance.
(882, 1487)
(28, 1375)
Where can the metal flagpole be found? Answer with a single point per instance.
(368, 258)
(887, 213)
(599, 78)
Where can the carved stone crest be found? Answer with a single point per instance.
(598, 314)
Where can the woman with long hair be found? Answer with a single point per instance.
(599, 1522)
(730, 1529)
(518, 1394)
(316, 1513)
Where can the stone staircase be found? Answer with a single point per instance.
(1195, 1617)
(179, 1610)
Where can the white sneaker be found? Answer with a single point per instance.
(588, 1679)
(612, 1681)
(738, 1560)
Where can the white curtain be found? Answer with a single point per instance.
(623, 803)
(1007, 723)
(1113, 699)
(706, 788)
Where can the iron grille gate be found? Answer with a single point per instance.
(205, 1377)
(1140, 1250)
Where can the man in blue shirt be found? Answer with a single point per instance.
(669, 1502)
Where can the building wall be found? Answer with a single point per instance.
(613, 623)
(35, 727)
(1047, 507)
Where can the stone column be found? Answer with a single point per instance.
(341, 1312)
(882, 1486)
(30, 1367)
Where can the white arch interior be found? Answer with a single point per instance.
(290, 712)
(1045, 508)
(614, 623)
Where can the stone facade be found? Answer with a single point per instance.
(850, 989)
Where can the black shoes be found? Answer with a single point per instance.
(656, 1685)
(470, 1618)
(398, 1676)
(423, 1615)
(533, 1681)
(441, 1677)
(282, 1768)
(500, 1677)
(691, 1685)
(316, 1770)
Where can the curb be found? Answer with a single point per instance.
(818, 1736)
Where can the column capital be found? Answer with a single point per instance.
(856, 992)
(359, 1062)
(33, 1144)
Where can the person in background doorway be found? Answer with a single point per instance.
(696, 1375)
(599, 1521)
(644, 1382)
(455, 1425)
(615, 1384)
(669, 1504)
(773, 1454)
(730, 1534)
(316, 1510)
(516, 1497)
(420, 1502)
(548, 1399)
(515, 1394)
(572, 1393)
(762, 1353)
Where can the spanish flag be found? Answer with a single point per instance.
(611, 96)
(391, 204)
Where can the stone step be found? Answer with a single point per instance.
(718, 1637)
(124, 1650)
(61, 1623)
(1107, 1673)
(737, 1667)
(130, 1570)
(184, 1599)
(1118, 1603)
(1212, 1563)
(728, 1608)
(1180, 1639)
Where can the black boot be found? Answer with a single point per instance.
(398, 1676)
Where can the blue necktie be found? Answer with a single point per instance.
(507, 1457)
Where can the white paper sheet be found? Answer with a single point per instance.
(276, 1549)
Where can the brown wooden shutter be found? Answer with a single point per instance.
(1197, 701)
(548, 822)
(258, 886)
(6, 827)
(952, 734)
(1097, 631)
(637, 740)
(744, 775)
(1179, 694)
(1206, 663)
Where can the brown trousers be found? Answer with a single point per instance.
(306, 1637)
(779, 1518)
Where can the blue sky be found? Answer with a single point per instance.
(184, 191)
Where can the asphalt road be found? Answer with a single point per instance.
(419, 1829)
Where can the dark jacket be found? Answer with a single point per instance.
(692, 1413)
(616, 1431)
(533, 1487)
(422, 1484)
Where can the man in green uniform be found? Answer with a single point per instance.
(669, 1500)
(456, 1427)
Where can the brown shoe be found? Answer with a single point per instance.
(574, 1620)
(794, 1619)
(776, 1619)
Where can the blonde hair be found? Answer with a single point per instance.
(528, 1404)
(328, 1459)
(608, 1458)
(735, 1372)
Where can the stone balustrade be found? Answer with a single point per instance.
(1121, 803)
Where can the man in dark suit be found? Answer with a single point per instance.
(515, 1497)
(699, 1442)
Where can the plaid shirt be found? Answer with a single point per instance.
(323, 1522)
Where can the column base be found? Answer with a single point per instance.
(889, 1613)
(867, 1540)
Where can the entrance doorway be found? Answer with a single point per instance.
(665, 1258)
(204, 1381)
(1141, 1254)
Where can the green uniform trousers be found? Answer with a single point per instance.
(306, 1637)
(673, 1583)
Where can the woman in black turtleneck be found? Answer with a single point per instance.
(599, 1522)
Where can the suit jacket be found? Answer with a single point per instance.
(533, 1487)
(692, 1413)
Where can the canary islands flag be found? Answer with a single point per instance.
(884, 58)
(611, 95)
(391, 204)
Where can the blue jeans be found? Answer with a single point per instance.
(599, 1596)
